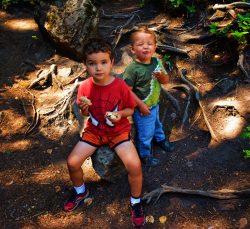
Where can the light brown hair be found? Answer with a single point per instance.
(143, 29)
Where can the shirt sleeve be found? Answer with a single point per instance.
(129, 76)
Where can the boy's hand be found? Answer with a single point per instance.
(84, 108)
(143, 108)
(161, 77)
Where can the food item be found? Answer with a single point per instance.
(85, 100)
(111, 115)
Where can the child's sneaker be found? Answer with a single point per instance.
(75, 199)
(166, 145)
(150, 161)
(138, 218)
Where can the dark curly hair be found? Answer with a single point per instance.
(95, 45)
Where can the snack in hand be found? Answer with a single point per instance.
(111, 115)
(85, 100)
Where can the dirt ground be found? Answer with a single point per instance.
(33, 173)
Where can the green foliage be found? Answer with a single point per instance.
(166, 61)
(239, 30)
(142, 3)
(183, 3)
(246, 134)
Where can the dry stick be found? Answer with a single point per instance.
(198, 98)
(240, 64)
(223, 194)
(231, 5)
(43, 75)
(172, 49)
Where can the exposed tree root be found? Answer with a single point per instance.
(172, 49)
(223, 194)
(240, 63)
(198, 98)
(61, 106)
(43, 75)
(36, 117)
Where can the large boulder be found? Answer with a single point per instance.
(68, 24)
(107, 164)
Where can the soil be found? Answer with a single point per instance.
(33, 173)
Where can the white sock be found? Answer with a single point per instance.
(135, 200)
(80, 189)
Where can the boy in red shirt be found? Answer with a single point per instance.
(97, 95)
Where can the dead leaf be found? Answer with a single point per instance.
(88, 201)
(150, 219)
(163, 219)
(58, 188)
(243, 222)
(49, 151)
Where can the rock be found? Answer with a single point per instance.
(68, 24)
(107, 164)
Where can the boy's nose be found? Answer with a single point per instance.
(98, 67)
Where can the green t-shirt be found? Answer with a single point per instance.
(139, 77)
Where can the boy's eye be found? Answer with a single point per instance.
(104, 62)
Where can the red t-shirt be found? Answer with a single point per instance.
(112, 97)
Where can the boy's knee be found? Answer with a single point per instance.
(72, 165)
(134, 167)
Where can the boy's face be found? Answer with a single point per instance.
(143, 46)
(99, 66)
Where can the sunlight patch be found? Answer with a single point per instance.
(21, 24)
(17, 146)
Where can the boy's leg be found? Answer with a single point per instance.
(129, 156)
(80, 153)
(145, 129)
(159, 135)
(144, 126)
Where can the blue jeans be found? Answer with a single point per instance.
(147, 128)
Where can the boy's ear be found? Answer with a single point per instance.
(131, 49)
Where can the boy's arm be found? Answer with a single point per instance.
(143, 108)
(84, 108)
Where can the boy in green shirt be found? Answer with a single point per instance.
(145, 76)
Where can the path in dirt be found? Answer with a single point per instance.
(33, 175)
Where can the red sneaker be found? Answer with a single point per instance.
(138, 218)
(75, 199)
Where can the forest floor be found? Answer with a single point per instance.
(34, 181)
